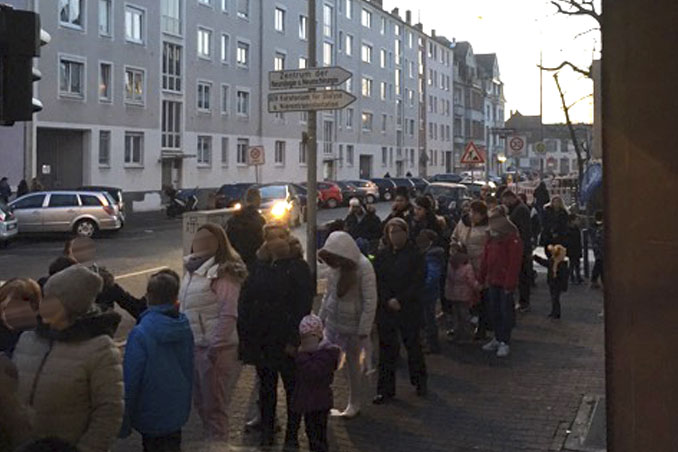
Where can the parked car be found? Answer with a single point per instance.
(448, 177)
(369, 188)
(349, 191)
(281, 202)
(449, 197)
(229, 195)
(420, 184)
(405, 182)
(329, 194)
(9, 226)
(476, 186)
(386, 188)
(116, 194)
(82, 212)
(302, 192)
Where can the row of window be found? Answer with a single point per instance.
(133, 148)
(72, 81)
(387, 156)
(72, 14)
(444, 134)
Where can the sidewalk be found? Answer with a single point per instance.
(477, 402)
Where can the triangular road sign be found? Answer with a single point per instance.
(472, 155)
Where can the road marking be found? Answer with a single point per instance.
(141, 272)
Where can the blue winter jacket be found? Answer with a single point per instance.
(435, 257)
(158, 371)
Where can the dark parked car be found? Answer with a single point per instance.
(369, 189)
(231, 194)
(449, 197)
(349, 191)
(420, 184)
(386, 188)
(405, 182)
(449, 177)
(116, 194)
(476, 187)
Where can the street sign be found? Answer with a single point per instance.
(256, 155)
(516, 145)
(472, 155)
(307, 78)
(312, 100)
(540, 147)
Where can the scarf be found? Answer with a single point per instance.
(195, 262)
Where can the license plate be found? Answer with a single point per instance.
(11, 227)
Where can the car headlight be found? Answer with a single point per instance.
(237, 206)
(280, 209)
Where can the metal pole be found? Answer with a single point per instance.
(541, 110)
(312, 154)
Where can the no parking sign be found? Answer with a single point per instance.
(256, 155)
(516, 145)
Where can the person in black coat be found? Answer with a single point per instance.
(278, 294)
(400, 270)
(554, 225)
(541, 197)
(519, 214)
(558, 274)
(424, 218)
(363, 224)
(245, 229)
(574, 249)
(402, 208)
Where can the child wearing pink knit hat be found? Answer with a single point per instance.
(315, 365)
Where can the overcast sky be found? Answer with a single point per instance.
(516, 30)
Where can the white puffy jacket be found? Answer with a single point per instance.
(354, 312)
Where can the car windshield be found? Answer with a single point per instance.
(273, 192)
(231, 190)
(359, 183)
(439, 190)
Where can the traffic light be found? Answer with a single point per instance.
(20, 40)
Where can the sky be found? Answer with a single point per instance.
(517, 30)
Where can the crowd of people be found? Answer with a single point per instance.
(21, 189)
(84, 362)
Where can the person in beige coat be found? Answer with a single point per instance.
(70, 372)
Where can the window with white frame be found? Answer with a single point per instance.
(410, 40)
(71, 78)
(328, 21)
(171, 124)
(303, 27)
(328, 54)
(303, 150)
(134, 24)
(241, 151)
(134, 148)
(349, 9)
(279, 20)
(349, 45)
(243, 103)
(171, 67)
(349, 118)
(224, 5)
(279, 61)
(384, 156)
(279, 153)
(382, 90)
(224, 151)
(349, 154)
(303, 62)
(104, 147)
(134, 86)
(243, 54)
(367, 87)
(367, 53)
(170, 16)
(382, 28)
(204, 43)
(225, 99)
(204, 150)
(105, 25)
(244, 9)
(366, 18)
(367, 121)
(204, 96)
(384, 122)
(105, 86)
(225, 48)
(72, 13)
(382, 58)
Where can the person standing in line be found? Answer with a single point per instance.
(462, 289)
(558, 273)
(598, 239)
(210, 289)
(541, 197)
(363, 224)
(348, 309)
(277, 296)
(245, 228)
(402, 208)
(519, 214)
(19, 304)
(22, 188)
(400, 270)
(70, 371)
(499, 271)
(36, 185)
(434, 257)
(574, 249)
(5, 190)
(158, 369)
(425, 218)
(554, 230)
(315, 363)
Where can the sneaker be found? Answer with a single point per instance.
(491, 346)
(503, 350)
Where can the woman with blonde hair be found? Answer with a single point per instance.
(210, 289)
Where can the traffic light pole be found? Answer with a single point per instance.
(312, 155)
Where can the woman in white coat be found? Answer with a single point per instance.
(348, 308)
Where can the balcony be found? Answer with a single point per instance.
(171, 25)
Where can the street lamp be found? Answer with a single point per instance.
(501, 158)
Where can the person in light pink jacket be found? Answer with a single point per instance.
(214, 273)
(462, 289)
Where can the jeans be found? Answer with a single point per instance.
(555, 302)
(268, 398)
(166, 443)
(502, 313)
(391, 330)
(430, 321)
(460, 320)
(316, 430)
(575, 269)
(525, 279)
(597, 271)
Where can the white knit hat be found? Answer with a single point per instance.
(76, 288)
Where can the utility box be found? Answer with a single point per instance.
(193, 220)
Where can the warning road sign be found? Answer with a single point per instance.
(472, 155)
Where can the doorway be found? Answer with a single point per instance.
(365, 166)
(172, 172)
(60, 160)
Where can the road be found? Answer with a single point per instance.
(148, 242)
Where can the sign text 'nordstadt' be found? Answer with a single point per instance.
(312, 100)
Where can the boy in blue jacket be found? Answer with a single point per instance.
(158, 368)
(435, 263)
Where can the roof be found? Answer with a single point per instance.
(461, 48)
(486, 62)
(518, 121)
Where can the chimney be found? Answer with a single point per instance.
(419, 26)
(408, 17)
(433, 33)
(396, 12)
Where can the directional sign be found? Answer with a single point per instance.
(472, 155)
(540, 147)
(311, 100)
(307, 78)
(256, 155)
(516, 145)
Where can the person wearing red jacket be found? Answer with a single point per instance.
(499, 271)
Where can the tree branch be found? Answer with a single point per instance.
(578, 8)
(579, 100)
(562, 65)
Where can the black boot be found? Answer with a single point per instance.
(422, 388)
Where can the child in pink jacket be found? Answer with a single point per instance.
(462, 289)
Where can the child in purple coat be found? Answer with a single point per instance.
(316, 362)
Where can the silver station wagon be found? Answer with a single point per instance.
(81, 212)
